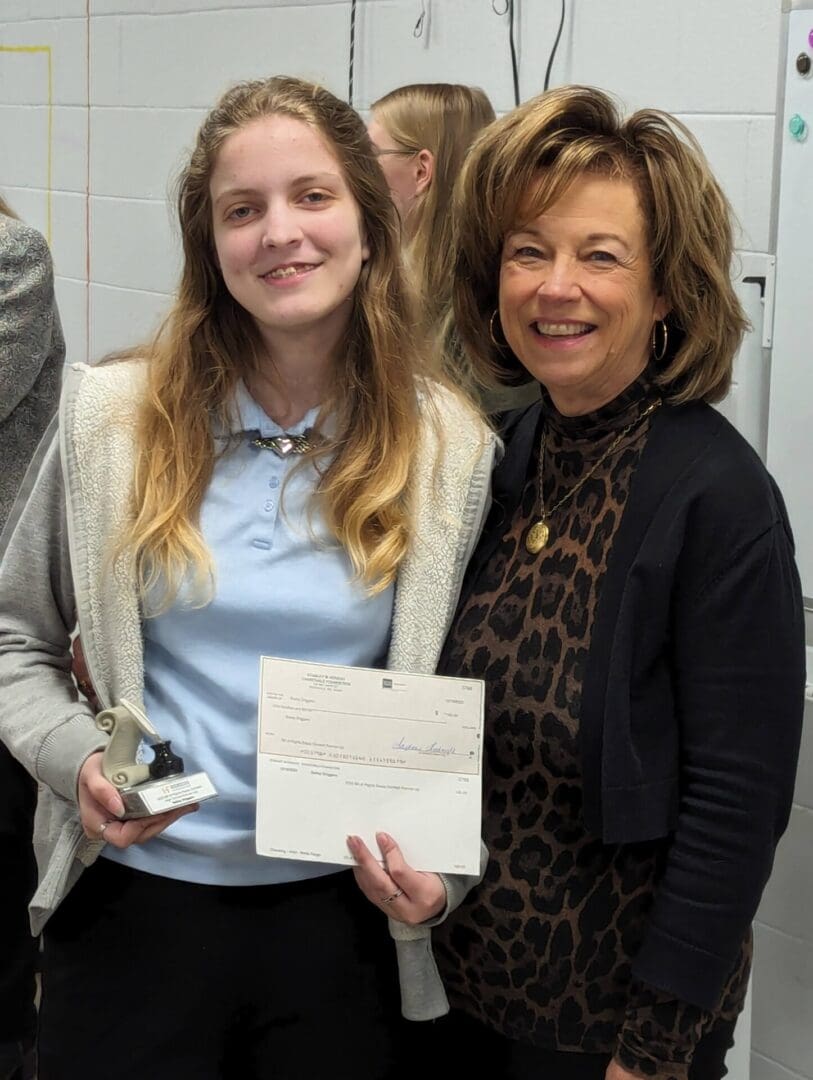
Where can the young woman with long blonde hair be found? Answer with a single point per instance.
(175, 525)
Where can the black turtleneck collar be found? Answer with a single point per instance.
(610, 418)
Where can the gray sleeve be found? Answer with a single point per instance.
(42, 720)
(27, 312)
(422, 994)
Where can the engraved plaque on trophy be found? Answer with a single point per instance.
(146, 788)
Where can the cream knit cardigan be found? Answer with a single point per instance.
(57, 571)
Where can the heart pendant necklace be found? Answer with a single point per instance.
(284, 445)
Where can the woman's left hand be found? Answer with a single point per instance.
(408, 895)
(618, 1072)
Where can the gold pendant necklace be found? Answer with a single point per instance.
(538, 535)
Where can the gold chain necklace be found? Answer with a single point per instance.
(537, 536)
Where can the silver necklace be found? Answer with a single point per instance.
(285, 445)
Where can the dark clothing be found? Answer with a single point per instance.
(542, 950)
(700, 626)
(18, 949)
(639, 670)
(478, 1051)
(150, 977)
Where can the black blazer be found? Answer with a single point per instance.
(692, 700)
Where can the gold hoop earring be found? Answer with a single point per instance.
(498, 344)
(658, 356)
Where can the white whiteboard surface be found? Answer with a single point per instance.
(790, 419)
(746, 404)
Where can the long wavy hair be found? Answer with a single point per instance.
(208, 342)
(527, 160)
(443, 118)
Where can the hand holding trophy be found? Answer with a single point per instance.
(146, 788)
(123, 801)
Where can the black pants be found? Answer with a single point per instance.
(479, 1051)
(146, 977)
(18, 950)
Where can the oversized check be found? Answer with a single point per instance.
(354, 751)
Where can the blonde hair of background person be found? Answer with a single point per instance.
(364, 491)
(422, 133)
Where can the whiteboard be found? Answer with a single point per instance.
(746, 404)
(790, 412)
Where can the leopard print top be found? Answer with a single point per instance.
(541, 950)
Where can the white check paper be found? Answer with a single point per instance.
(354, 751)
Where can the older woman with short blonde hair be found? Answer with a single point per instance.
(633, 606)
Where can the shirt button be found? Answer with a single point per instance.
(269, 505)
(274, 482)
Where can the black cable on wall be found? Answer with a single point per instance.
(512, 46)
(351, 67)
(555, 47)
(509, 9)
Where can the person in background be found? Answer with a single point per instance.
(275, 474)
(32, 350)
(32, 353)
(421, 134)
(633, 607)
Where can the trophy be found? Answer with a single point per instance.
(146, 788)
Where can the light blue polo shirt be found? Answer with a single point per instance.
(283, 587)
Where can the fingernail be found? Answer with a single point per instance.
(352, 842)
(385, 837)
(116, 807)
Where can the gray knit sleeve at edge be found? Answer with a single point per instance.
(42, 720)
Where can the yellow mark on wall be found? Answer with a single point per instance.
(47, 50)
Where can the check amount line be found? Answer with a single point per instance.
(362, 716)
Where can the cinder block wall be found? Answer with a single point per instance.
(129, 80)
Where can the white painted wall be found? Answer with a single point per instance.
(132, 78)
